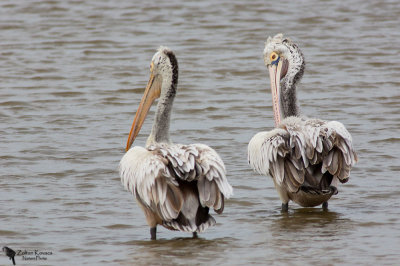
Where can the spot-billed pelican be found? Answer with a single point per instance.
(174, 184)
(306, 158)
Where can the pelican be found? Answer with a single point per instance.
(306, 158)
(174, 184)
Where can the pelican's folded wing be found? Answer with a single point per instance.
(198, 162)
(292, 152)
(271, 153)
(146, 175)
(154, 174)
(334, 146)
(212, 183)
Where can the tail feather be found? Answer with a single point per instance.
(185, 225)
(331, 190)
(193, 217)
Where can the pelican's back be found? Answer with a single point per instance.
(306, 158)
(176, 184)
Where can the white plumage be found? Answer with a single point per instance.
(174, 184)
(306, 158)
(149, 172)
(288, 152)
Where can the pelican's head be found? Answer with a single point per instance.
(162, 82)
(285, 63)
(165, 66)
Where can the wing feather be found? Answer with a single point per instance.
(146, 174)
(343, 155)
(201, 163)
(263, 149)
(139, 169)
(153, 175)
(298, 144)
(216, 171)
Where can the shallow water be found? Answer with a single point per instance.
(72, 74)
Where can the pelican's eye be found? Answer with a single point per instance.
(274, 58)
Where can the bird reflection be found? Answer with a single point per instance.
(310, 221)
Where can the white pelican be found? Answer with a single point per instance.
(306, 158)
(174, 184)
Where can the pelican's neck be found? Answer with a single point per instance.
(160, 130)
(288, 100)
(294, 74)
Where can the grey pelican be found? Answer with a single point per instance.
(306, 158)
(174, 184)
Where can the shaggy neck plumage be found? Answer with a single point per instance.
(289, 99)
(289, 82)
(160, 129)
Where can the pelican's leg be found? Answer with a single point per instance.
(325, 205)
(283, 195)
(150, 218)
(195, 235)
(153, 233)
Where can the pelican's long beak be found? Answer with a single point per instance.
(275, 78)
(152, 92)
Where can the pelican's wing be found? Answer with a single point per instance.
(154, 174)
(333, 146)
(271, 153)
(290, 155)
(145, 174)
(198, 162)
(212, 183)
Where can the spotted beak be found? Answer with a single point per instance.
(276, 72)
(152, 92)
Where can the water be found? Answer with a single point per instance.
(72, 74)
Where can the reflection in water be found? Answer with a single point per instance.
(313, 220)
(313, 234)
(170, 252)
